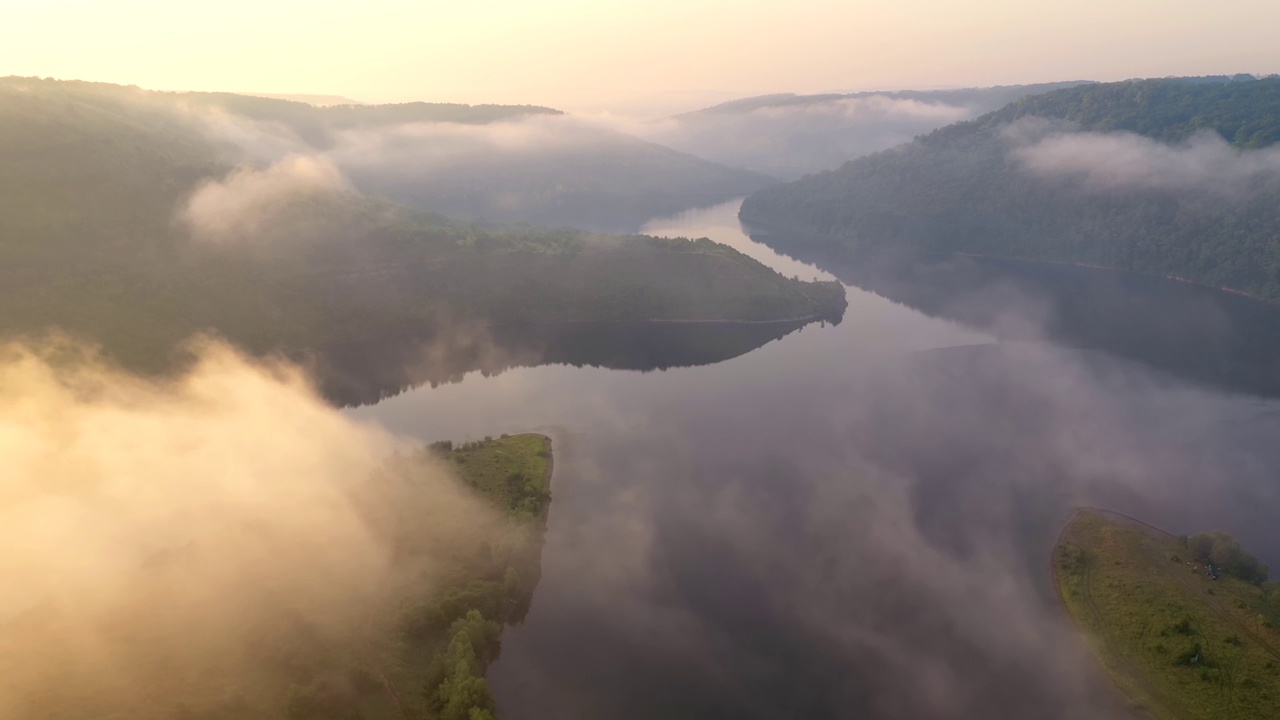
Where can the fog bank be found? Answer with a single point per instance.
(199, 542)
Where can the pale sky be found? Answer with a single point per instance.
(655, 55)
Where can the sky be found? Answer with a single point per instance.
(635, 57)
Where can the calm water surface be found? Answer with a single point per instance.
(850, 521)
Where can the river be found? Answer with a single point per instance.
(852, 520)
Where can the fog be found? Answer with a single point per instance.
(870, 539)
(188, 542)
(250, 205)
(546, 169)
(852, 521)
(788, 140)
(1109, 161)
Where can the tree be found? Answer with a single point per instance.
(1221, 549)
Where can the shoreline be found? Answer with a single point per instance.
(551, 463)
(768, 228)
(1126, 701)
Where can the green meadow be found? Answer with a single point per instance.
(1179, 643)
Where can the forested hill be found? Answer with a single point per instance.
(503, 163)
(1175, 177)
(788, 136)
(1244, 110)
(123, 223)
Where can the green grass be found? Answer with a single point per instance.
(511, 471)
(1181, 645)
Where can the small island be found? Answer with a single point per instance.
(1187, 627)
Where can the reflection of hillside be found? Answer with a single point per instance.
(366, 372)
(1204, 335)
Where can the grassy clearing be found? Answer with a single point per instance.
(1181, 645)
(513, 471)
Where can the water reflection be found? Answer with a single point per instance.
(720, 223)
(369, 371)
(1220, 339)
(851, 522)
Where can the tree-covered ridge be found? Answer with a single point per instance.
(1183, 638)
(313, 122)
(980, 96)
(1244, 110)
(96, 239)
(413, 277)
(970, 188)
(505, 163)
(790, 136)
(568, 275)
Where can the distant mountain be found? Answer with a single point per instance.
(566, 174)
(787, 135)
(126, 220)
(1176, 177)
(500, 163)
(317, 100)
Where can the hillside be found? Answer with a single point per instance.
(788, 136)
(1171, 177)
(125, 222)
(1182, 644)
(571, 173)
(503, 163)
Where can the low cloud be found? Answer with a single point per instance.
(507, 171)
(251, 203)
(791, 140)
(436, 147)
(187, 541)
(1111, 161)
(245, 139)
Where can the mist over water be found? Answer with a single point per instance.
(852, 520)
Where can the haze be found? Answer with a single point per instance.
(654, 57)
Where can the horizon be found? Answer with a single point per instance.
(312, 97)
(657, 59)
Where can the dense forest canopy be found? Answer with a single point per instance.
(1175, 177)
(127, 222)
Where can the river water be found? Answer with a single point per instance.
(852, 520)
